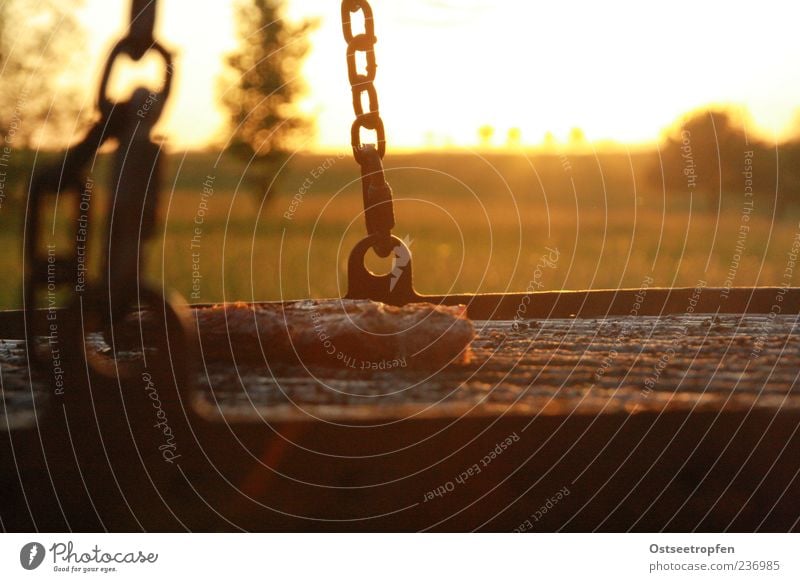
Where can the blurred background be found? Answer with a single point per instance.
(637, 140)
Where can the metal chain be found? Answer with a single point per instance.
(134, 188)
(377, 194)
(142, 25)
(135, 179)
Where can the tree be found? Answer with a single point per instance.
(485, 135)
(261, 88)
(707, 151)
(39, 103)
(577, 139)
(549, 142)
(38, 100)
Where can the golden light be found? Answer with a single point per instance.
(620, 70)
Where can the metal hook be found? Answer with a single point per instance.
(395, 288)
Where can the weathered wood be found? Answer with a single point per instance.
(552, 366)
(549, 367)
(592, 303)
(676, 423)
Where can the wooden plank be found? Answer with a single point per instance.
(594, 303)
(555, 366)
(678, 423)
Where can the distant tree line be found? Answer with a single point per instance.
(712, 154)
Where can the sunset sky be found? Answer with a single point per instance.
(620, 70)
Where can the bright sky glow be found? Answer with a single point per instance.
(621, 70)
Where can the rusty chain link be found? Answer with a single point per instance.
(377, 194)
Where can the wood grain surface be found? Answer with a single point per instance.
(674, 423)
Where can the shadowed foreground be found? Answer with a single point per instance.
(563, 424)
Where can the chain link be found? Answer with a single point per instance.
(377, 194)
(362, 82)
(142, 25)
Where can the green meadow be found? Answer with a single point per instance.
(477, 222)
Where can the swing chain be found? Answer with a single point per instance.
(134, 190)
(377, 194)
(362, 83)
(142, 24)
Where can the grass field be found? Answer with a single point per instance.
(478, 223)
